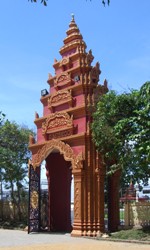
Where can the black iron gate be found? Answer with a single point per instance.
(34, 200)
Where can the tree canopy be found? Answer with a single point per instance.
(121, 132)
(14, 155)
(44, 2)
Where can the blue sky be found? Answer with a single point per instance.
(31, 36)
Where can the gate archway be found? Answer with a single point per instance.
(65, 128)
(61, 163)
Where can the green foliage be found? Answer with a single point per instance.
(121, 132)
(44, 2)
(14, 156)
(133, 234)
(2, 116)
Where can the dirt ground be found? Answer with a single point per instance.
(18, 240)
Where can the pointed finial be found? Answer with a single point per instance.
(72, 17)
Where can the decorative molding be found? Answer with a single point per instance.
(57, 122)
(60, 97)
(95, 72)
(77, 200)
(89, 58)
(63, 80)
(65, 149)
(65, 61)
(34, 199)
(60, 134)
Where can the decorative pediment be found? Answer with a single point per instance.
(60, 97)
(58, 125)
(65, 149)
(63, 80)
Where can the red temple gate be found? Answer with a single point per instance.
(64, 141)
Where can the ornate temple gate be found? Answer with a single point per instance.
(64, 141)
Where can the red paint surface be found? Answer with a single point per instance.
(59, 193)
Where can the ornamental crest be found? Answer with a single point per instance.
(65, 61)
(95, 72)
(56, 122)
(59, 97)
(63, 79)
(65, 149)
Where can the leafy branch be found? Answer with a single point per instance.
(44, 2)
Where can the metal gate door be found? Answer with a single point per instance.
(34, 200)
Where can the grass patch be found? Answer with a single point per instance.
(142, 234)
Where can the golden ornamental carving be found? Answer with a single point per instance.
(65, 61)
(57, 121)
(89, 58)
(95, 72)
(77, 200)
(65, 149)
(78, 161)
(60, 134)
(34, 199)
(60, 97)
(63, 79)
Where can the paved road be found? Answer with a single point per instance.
(20, 240)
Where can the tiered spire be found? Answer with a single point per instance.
(74, 38)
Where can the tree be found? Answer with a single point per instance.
(2, 116)
(14, 155)
(44, 2)
(121, 133)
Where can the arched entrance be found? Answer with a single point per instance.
(59, 188)
(61, 163)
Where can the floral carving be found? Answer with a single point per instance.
(60, 134)
(95, 72)
(77, 200)
(63, 79)
(60, 97)
(78, 161)
(65, 61)
(65, 149)
(89, 57)
(57, 121)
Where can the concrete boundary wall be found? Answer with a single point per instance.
(137, 214)
(8, 211)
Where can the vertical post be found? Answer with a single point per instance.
(100, 174)
(127, 214)
(34, 200)
(113, 201)
(78, 204)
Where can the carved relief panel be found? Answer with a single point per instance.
(59, 98)
(63, 80)
(58, 125)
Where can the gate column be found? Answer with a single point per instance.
(78, 202)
